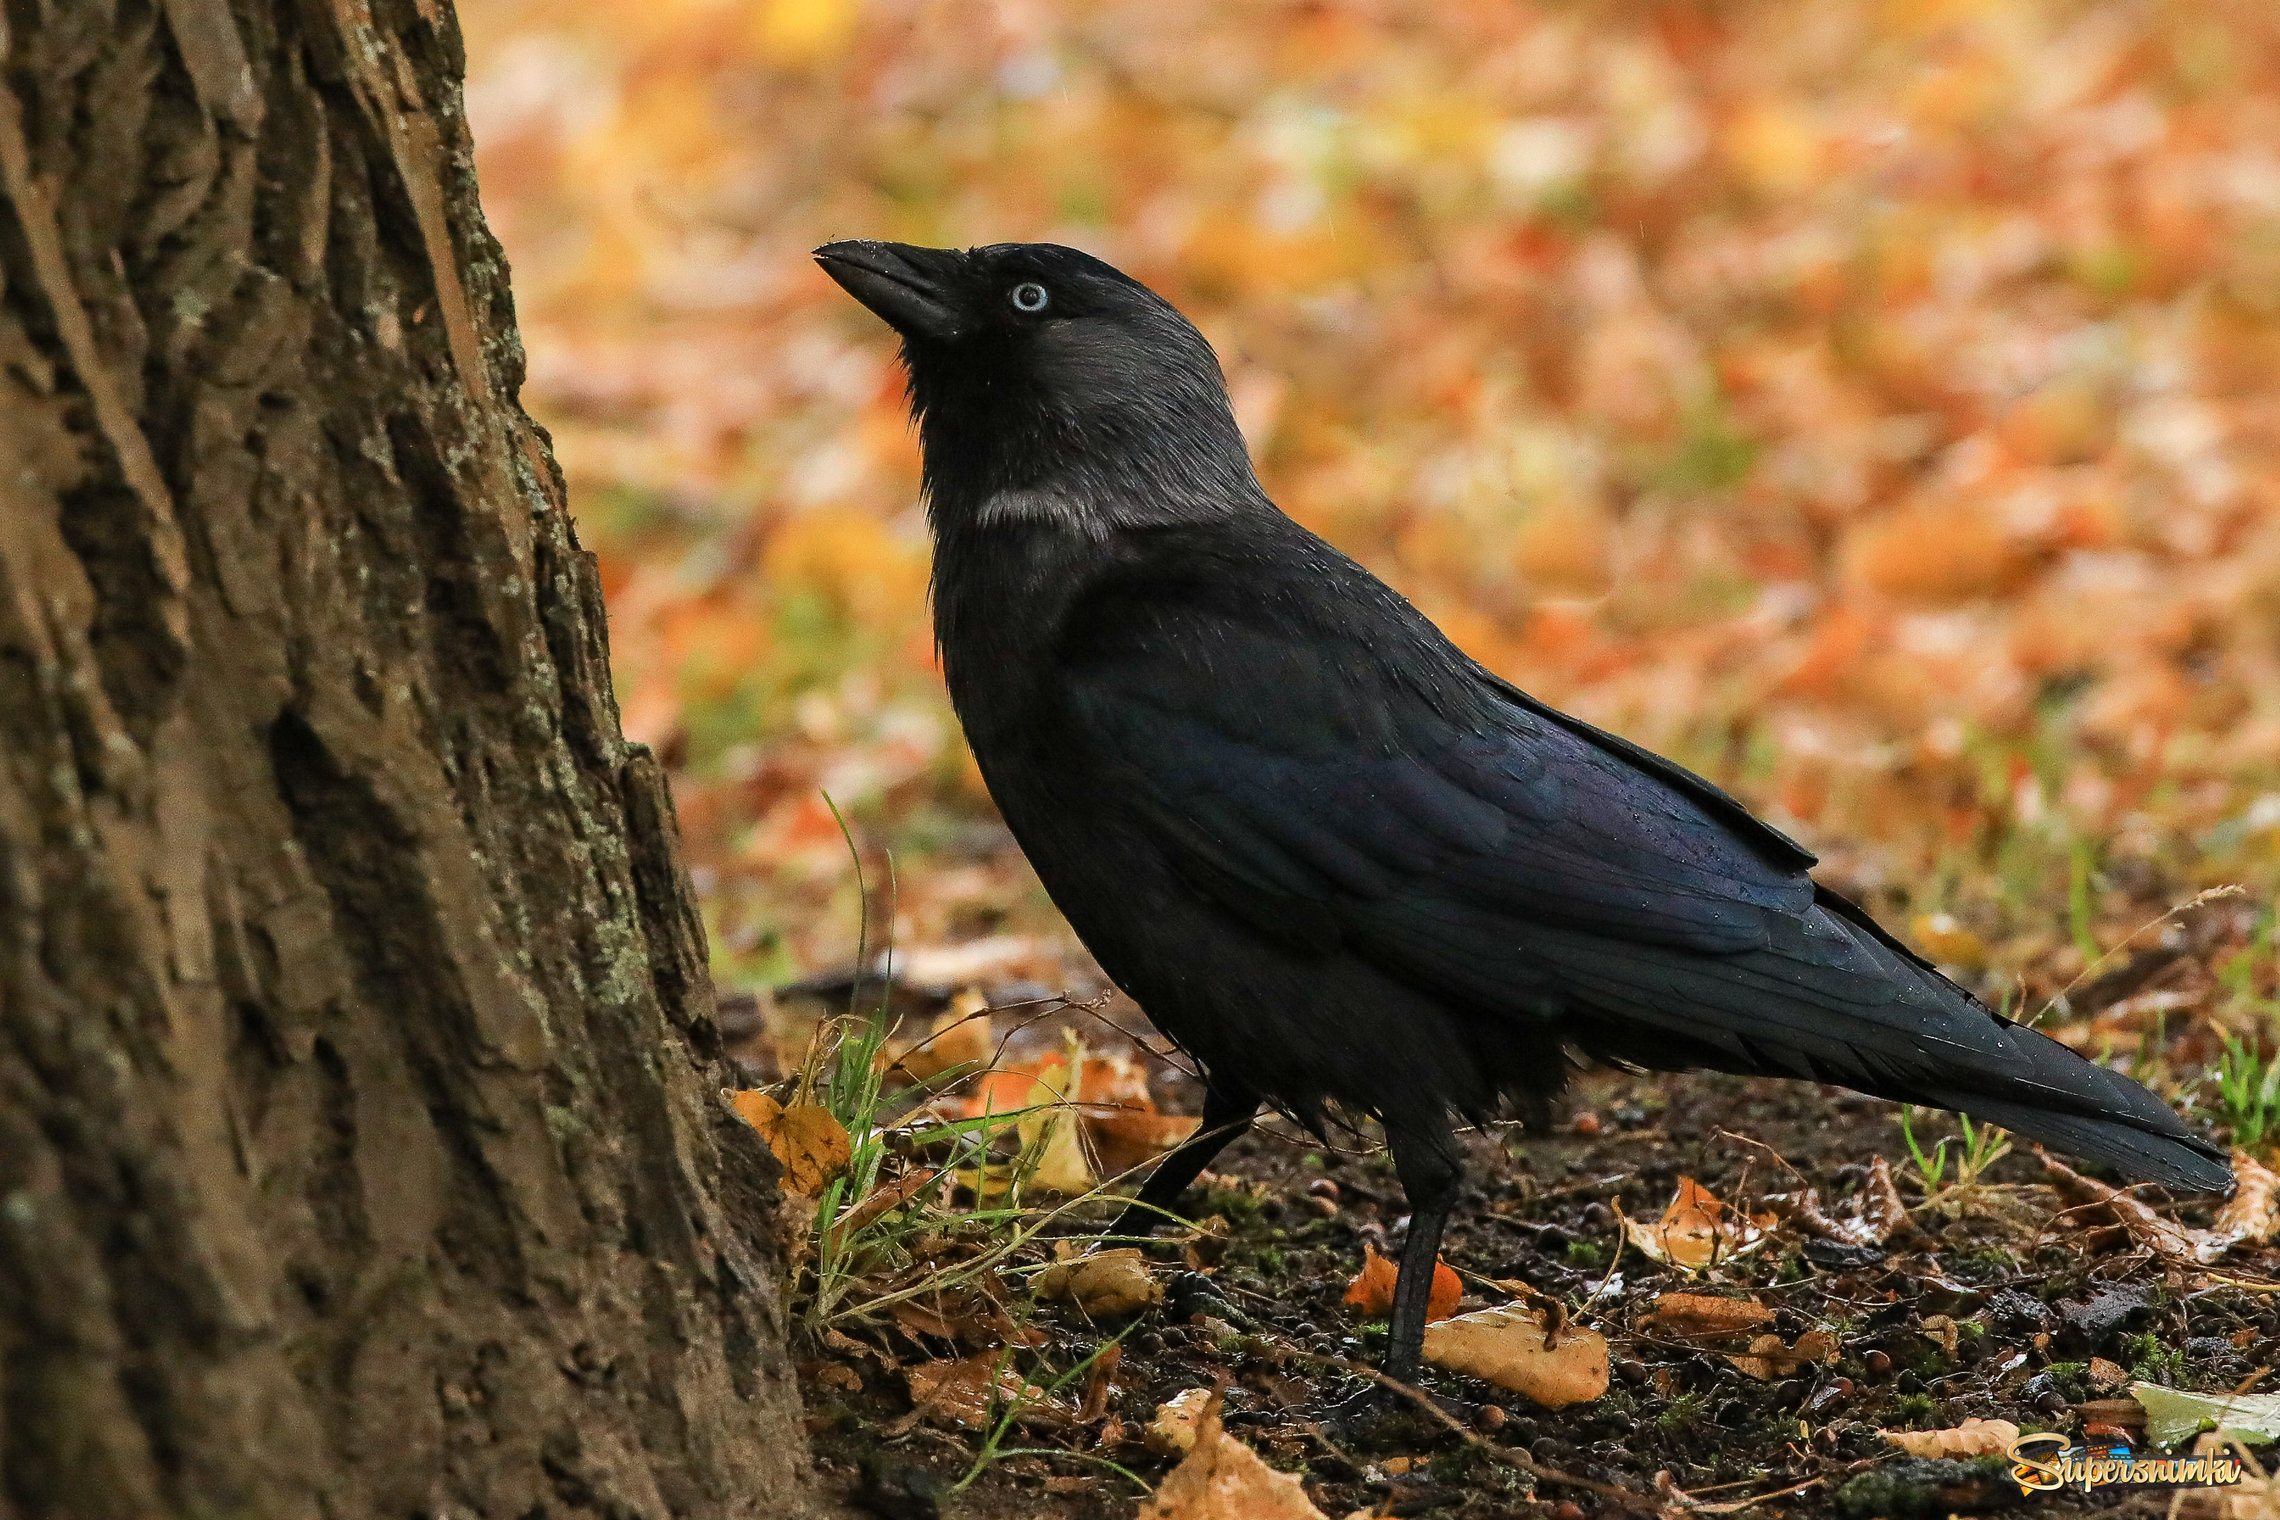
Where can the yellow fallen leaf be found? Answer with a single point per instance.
(1973, 1438)
(810, 1143)
(1222, 1479)
(1105, 1285)
(1507, 1346)
(1061, 1165)
(1173, 1428)
(1695, 1231)
(1942, 938)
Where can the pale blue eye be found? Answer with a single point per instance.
(1030, 298)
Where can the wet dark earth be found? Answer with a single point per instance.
(1992, 1301)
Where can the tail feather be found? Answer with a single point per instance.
(1839, 1000)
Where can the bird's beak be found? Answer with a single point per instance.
(911, 288)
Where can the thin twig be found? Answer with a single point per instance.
(1505, 1454)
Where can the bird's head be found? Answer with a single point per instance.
(1047, 383)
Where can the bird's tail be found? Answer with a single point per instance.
(1841, 1001)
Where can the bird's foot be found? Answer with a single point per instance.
(1377, 1414)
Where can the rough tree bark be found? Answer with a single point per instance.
(361, 1151)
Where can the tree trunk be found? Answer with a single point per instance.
(361, 1148)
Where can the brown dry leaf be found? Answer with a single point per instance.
(1173, 1429)
(1768, 1358)
(1973, 1438)
(2253, 1211)
(2107, 1376)
(1371, 1289)
(885, 1199)
(2252, 1220)
(1695, 1231)
(1507, 1346)
(810, 1143)
(1222, 1479)
(968, 1392)
(1701, 1317)
(1105, 1285)
(967, 1317)
(1099, 1383)
(1878, 1212)
(1942, 1331)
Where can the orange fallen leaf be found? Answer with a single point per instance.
(1507, 1346)
(810, 1143)
(1222, 1479)
(1371, 1289)
(1701, 1317)
(1695, 1231)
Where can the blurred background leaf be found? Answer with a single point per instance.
(1872, 404)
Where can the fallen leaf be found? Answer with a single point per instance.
(959, 1036)
(2171, 1414)
(1941, 938)
(1173, 1428)
(1106, 1284)
(970, 1392)
(2252, 1220)
(1061, 1165)
(1371, 1289)
(1975, 1437)
(1125, 1137)
(1098, 1384)
(1877, 1214)
(1695, 1231)
(885, 1199)
(1222, 1479)
(1942, 1331)
(1701, 1317)
(1507, 1346)
(1769, 1357)
(2106, 1376)
(2253, 1211)
(810, 1143)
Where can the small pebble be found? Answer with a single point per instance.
(1322, 1187)
(1305, 1330)
(1567, 1509)
(1877, 1364)
(1598, 1215)
(1489, 1418)
(1587, 1123)
(1632, 1372)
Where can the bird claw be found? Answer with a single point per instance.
(1375, 1414)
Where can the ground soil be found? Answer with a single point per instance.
(2033, 1296)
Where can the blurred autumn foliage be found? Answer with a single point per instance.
(1873, 403)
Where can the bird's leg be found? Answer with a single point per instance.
(1228, 1108)
(1430, 1175)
